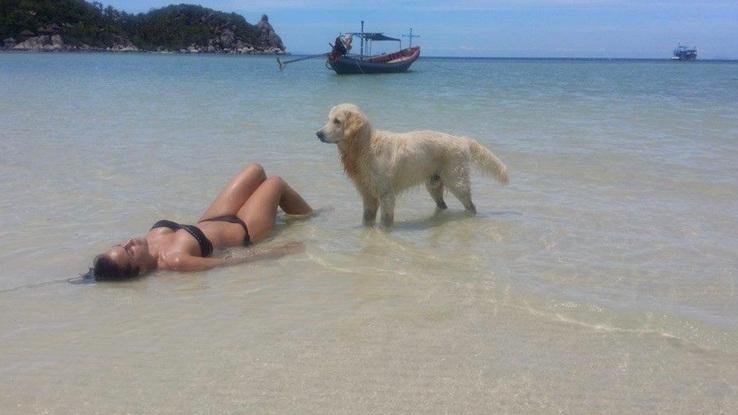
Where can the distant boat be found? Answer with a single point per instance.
(344, 63)
(683, 53)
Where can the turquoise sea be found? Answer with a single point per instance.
(601, 280)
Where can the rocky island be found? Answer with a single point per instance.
(76, 25)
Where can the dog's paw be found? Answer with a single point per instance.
(471, 210)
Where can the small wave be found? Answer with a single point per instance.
(672, 339)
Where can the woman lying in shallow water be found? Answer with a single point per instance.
(243, 213)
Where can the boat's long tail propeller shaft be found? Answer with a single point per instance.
(283, 64)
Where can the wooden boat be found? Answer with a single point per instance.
(344, 63)
(395, 62)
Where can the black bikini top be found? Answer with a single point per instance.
(206, 247)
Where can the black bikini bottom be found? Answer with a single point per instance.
(232, 219)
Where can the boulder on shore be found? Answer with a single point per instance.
(35, 43)
(55, 43)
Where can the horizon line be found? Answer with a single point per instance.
(11, 51)
(726, 59)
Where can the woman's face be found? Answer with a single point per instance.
(133, 252)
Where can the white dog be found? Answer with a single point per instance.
(382, 163)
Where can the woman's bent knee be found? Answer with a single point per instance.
(255, 169)
(276, 181)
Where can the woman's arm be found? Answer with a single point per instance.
(186, 263)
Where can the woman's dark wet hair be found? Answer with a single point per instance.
(105, 269)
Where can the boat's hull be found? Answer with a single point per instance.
(345, 65)
(686, 58)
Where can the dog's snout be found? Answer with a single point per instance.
(320, 135)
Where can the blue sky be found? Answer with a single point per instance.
(500, 28)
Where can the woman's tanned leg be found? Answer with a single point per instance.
(236, 192)
(260, 209)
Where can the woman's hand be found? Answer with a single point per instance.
(255, 254)
(293, 247)
(193, 263)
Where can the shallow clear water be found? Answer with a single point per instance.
(601, 280)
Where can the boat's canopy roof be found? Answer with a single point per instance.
(374, 36)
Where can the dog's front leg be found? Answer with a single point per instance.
(387, 203)
(371, 204)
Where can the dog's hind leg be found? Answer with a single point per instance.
(434, 184)
(371, 204)
(460, 186)
(387, 203)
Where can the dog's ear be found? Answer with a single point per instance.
(355, 122)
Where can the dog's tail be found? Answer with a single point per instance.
(488, 162)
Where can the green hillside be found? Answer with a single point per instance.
(80, 23)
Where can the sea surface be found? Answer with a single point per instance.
(602, 279)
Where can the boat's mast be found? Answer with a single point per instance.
(411, 36)
(362, 40)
